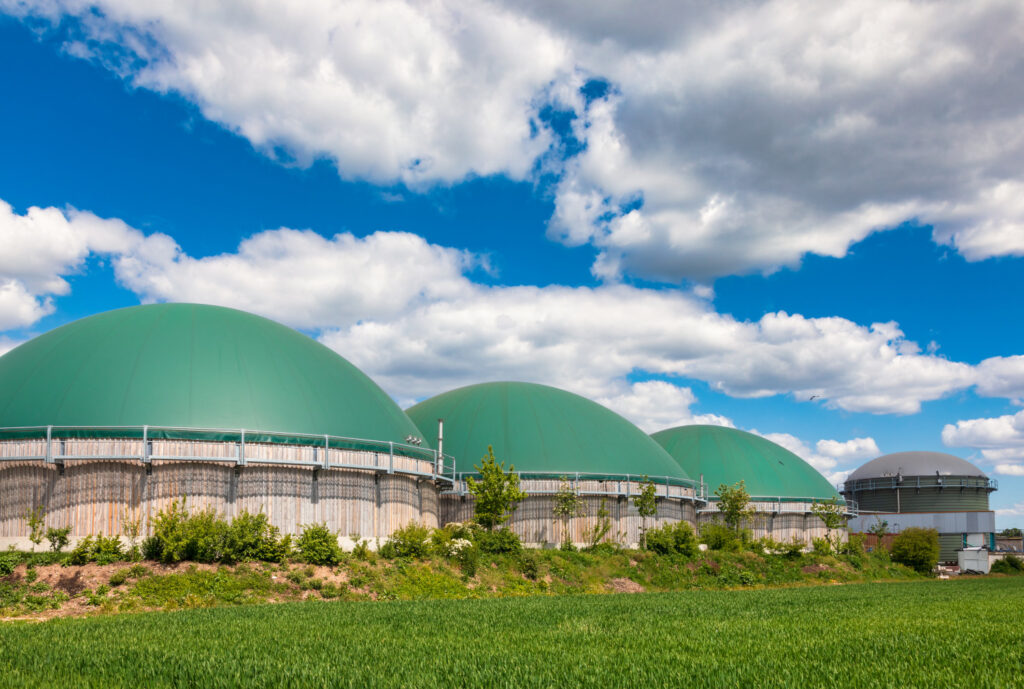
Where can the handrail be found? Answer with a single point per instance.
(574, 477)
(893, 482)
(443, 466)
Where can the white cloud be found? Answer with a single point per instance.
(1002, 377)
(42, 246)
(831, 458)
(1000, 440)
(7, 344)
(734, 137)
(655, 405)
(302, 278)
(1016, 510)
(850, 450)
(390, 90)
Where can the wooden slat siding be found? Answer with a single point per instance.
(22, 448)
(94, 496)
(535, 522)
(782, 526)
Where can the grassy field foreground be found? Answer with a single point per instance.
(923, 634)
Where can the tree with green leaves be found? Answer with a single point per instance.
(1012, 532)
(568, 504)
(733, 503)
(646, 504)
(36, 519)
(601, 527)
(497, 491)
(832, 513)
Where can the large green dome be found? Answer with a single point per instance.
(726, 455)
(192, 366)
(541, 430)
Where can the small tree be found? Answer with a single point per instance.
(132, 529)
(733, 504)
(36, 519)
(497, 492)
(1012, 532)
(917, 548)
(646, 504)
(832, 513)
(58, 538)
(879, 529)
(600, 529)
(568, 504)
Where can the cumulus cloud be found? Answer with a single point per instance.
(655, 405)
(42, 246)
(303, 278)
(850, 450)
(1002, 377)
(830, 457)
(406, 312)
(731, 137)
(999, 439)
(1016, 510)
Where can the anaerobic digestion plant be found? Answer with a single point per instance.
(113, 416)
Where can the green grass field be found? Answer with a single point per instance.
(922, 634)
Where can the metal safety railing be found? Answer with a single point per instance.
(602, 484)
(782, 504)
(893, 482)
(55, 444)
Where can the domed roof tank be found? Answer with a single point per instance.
(540, 429)
(916, 464)
(192, 366)
(727, 455)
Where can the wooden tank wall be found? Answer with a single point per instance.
(535, 523)
(784, 526)
(96, 496)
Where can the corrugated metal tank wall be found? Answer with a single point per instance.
(922, 499)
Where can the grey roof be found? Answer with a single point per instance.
(916, 464)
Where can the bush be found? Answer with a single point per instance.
(58, 538)
(199, 537)
(361, 550)
(318, 545)
(677, 538)
(822, 546)
(1010, 564)
(252, 537)
(916, 548)
(8, 561)
(855, 544)
(81, 554)
(719, 537)
(529, 565)
(500, 541)
(106, 550)
(411, 541)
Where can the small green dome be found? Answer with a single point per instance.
(726, 455)
(192, 366)
(540, 429)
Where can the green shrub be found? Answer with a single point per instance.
(252, 537)
(58, 538)
(318, 545)
(855, 544)
(499, 541)
(529, 565)
(81, 554)
(916, 548)
(719, 537)
(677, 538)
(822, 546)
(198, 537)
(118, 577)
(8, 561)
(106, 550)
(329, 590)
(361, 550)
(412, 541)
(1010, 564)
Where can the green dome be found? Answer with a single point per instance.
(726, 455)
(541, 430)
(192, 366)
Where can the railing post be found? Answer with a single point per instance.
(327, 452)
(391, 456)
(49, 444)
(145, 445)
(241, 449)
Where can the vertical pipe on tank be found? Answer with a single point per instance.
(440, 446)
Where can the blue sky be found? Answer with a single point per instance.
(711, 217)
